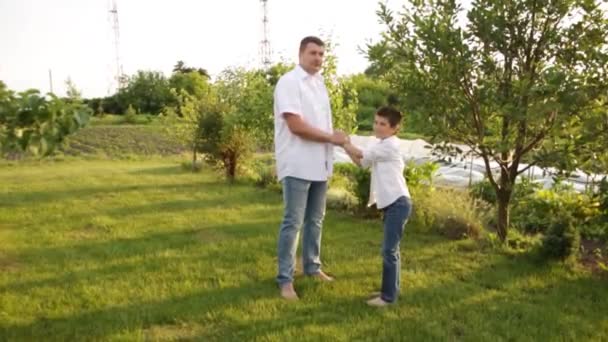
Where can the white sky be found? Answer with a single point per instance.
(74, 38)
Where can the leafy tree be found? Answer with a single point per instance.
(512, 76)
(30, 122)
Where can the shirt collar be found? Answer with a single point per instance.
(391, 138)
(304, 75)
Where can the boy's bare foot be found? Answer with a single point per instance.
(288, 292)
(378, 302)
(322, 276)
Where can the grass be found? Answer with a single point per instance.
(141, 250)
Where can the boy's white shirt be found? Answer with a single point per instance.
(386, 163)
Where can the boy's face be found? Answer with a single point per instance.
(382, 128)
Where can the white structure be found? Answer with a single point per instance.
(458, 173)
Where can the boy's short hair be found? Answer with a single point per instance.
(391, 114)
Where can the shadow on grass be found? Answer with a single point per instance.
(514, 298)
(490, 302)
(100, 324)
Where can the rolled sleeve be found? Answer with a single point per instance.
(287, 97)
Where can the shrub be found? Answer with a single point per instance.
(535, 213)
(562, 240)
(452, 213)
(130, 115)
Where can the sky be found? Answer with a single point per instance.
(74, 38)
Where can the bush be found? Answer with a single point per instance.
(263, 173)
(452, 213)
(130, 115)
(192, 167)
(418, 175)
(224, 142)
(485, 191)
(537, 212)
(562, 240)
(341, 199)
(359, 181)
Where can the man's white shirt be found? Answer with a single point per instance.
(301, 93)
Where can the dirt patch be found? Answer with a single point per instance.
(594, 256)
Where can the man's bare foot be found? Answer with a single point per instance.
(288, 292)
(378, 301)
(322, 276)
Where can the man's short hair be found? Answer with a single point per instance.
(391, 114)
(310, 39)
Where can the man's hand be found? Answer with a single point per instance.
(339, 138)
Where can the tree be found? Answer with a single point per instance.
(181, 68)
(372, 93)
(72, 92)
(249, 95)
(33, 123)
(183, 120)
(510, 78)
(147, 91)
(192, 82)
(342, 94)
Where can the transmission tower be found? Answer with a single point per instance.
(265, 51)
(113, 13)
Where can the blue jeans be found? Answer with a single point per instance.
(304, 206)
(395, 218)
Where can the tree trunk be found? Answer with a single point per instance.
(503, 217)
(504, 199)
(194, 158)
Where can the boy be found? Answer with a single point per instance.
(390, 194)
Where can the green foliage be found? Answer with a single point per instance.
(485, 191)
(342, 94)
(539, 211)
(249, 95)
(30, 122)
(452, 213)
(371, 94)
(562, 240)
(181, 68)
(420, 175)
(193, 83)
(223, 140)
(130, 115)
(147, 92)
(359, 181)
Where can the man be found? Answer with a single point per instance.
(304, 140)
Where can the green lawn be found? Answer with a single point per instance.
(141, 250)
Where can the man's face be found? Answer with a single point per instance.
(311, 59)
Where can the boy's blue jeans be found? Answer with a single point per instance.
(395, 218)
(304, 206)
